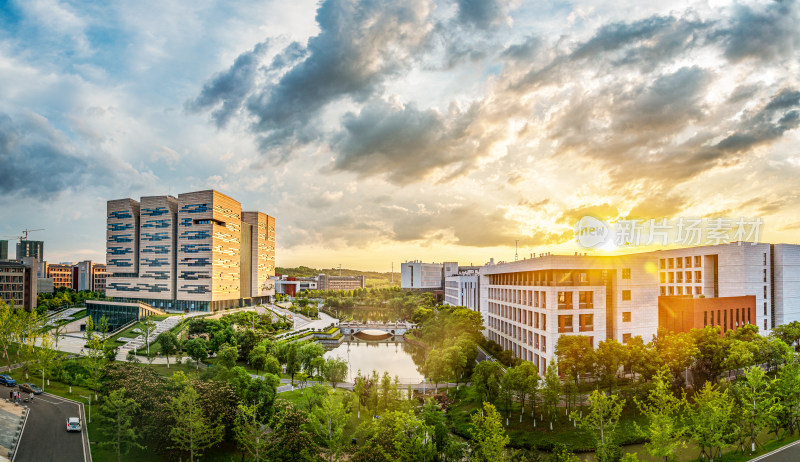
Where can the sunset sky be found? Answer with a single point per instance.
(383, 131)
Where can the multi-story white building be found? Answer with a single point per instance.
(527, 305)
(463, 289)
(419, 275)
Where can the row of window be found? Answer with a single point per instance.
(157, 224)
(155, 212)
(538, 342)
(680, 262)
(531, 318)
(738, 318)
(195, 248)
(678, 277)
(157, 249)
(119, 226)
(120, 238)
(680, 290)
(155, 237)
(120, 214)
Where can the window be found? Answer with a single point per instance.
(765, 258)
(626, 316)
(544, 322)
(688, 262)
(663, 277)
(712, 318)
(583, 277)
(765, 275)
(705, 318)
(626, 338)
(698, 277)
(679, 262)
(671, 291)
(765, 324)
(663, 290)
(671, 278)
(626, 295)
(662, 263)
(679, 277)
(765, 308)
(586, 322)
(535, 321)
(765, 291)
(565, 300)
(688, 277)
(544, 344)
(626, 273)
(679, 290)
(585, 299)
(697, 263)
(565, 323)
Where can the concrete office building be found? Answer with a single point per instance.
(463, 289)
(196, 252)
(61, 274)
(528, 304)
(289, 285)
(18, 284)
(325, 282)
(3, 250)
(33, 249)
(419, 275)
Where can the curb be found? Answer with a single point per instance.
(27, 412)
(764, 456)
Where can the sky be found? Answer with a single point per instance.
(382, 131)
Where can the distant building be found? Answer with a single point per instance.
(196, 252)
(99, 277)
(463, 289)
(33, 249)
(288, 285)
(44, 286)
(681, 314)
(3, 250)
(419, 275)
(325, 282)
(18, 284)
(61, 274)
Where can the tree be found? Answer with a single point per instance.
(757, 398)
(148, 326)
(575, 357)
(437, 367)
(488, 439)
(227, 355)
(677, 351)
(709, 361)
(602, 419)
(396, 436)
(197, 349)
(168, 342)
(551, 390)
(258, 357)
(96, 339)
(665, 431)
(486, 378)
(334, 370)
(116, 423)
(610, 357)
(251, 435)
(787, 390)
(289, 440)
(292, 361)
(192, 432)
(360, 390)
(327, 421)
(711, 423)
(45, 356)
(789, 333)
(307, 353)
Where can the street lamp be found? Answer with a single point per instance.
(90, 408)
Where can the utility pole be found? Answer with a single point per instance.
(516, 250)
(340, 269)
(392, 272)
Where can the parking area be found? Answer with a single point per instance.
(45, 437)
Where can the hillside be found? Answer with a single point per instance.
(373, 278)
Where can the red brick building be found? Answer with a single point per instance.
(680, 314)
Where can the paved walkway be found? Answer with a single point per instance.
(62, 315)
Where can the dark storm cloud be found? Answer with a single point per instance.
(38, 161)
(483, 14)
(405, 143)
(230, 89)
(360, 45)
(763, 33)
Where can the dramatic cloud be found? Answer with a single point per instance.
(482, 14)
(764, 33)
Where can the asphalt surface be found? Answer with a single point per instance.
(45, 437)
(790, 453)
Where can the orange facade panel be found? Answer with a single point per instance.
(680, 314)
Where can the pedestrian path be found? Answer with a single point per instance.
(61, 315)
(140, 341)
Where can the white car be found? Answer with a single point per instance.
(73, 424)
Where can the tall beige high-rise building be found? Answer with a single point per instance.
(196, 252)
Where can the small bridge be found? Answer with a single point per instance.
(393, 328)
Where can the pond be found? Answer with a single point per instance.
(396, 357)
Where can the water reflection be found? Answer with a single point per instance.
(393, 355)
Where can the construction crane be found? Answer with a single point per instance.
(26, 231)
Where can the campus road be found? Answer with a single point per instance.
(45, 437)
(788, 453)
